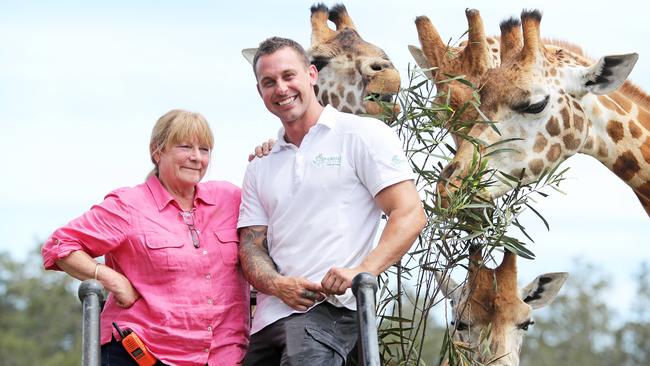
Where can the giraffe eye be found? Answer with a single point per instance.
(459, 325)
(526, 324)
(532, 108)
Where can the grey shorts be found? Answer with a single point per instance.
(322, 336)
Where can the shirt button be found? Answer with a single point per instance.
(207, 277)
(209, 329)
(205, 252)
(206, 350)
(209, 301)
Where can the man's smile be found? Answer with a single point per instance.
(286, 101)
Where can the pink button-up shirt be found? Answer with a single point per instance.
(194, 308)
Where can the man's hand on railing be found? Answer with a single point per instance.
(337, 280)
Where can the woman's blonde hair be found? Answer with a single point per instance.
(177, 126)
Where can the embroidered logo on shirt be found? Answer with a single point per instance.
(321, 160)
(398, 161)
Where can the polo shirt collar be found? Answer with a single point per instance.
(327, 119)
(162, 198)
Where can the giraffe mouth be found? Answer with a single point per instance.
(382, 104)
(386, 98)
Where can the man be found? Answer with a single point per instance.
(310, 211)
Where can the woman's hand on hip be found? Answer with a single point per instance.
(120, 286)
(126, 295)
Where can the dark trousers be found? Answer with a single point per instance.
(114, 354)
(322, 336)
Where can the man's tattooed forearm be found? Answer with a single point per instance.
(258, 267)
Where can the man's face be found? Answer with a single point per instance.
(286, 85)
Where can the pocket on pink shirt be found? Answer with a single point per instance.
(164, 251)
(228, 247)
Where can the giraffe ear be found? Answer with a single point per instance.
(446, 283)
(421, 60)
(609, 73)
(249, 54)
(543, 290)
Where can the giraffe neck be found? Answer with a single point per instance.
(619, 137)
(344, 95)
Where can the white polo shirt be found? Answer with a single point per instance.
(318, 200)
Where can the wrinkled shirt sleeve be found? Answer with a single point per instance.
(251, 210)
(98, 231)
(379, 159)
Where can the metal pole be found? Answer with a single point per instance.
(90, 293)
(364, 287)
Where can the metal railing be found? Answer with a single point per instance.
(91, 295)
(364, 287)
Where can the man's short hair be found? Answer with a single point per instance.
(273, 44)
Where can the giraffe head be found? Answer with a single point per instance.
(539, 99)
(350, 70)
(442, 63)
(490, 310)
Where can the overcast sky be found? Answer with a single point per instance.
(83, 82)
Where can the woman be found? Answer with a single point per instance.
(170, 247)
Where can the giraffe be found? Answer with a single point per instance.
(489, 309)
(554, 104)
(352, 73)
(503, 309)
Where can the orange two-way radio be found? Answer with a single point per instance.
(134, 346)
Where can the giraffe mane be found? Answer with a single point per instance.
(569, 46)
(636, 94)
(629, 89)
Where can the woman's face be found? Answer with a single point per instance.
(183, 165)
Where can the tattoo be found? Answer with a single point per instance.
(258, 267)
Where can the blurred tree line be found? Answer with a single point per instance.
(40, 318)
(579, 327)
(40, 314)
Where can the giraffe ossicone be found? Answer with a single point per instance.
(353, 75)
(442, 62)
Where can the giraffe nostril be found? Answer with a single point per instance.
(377, 67)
